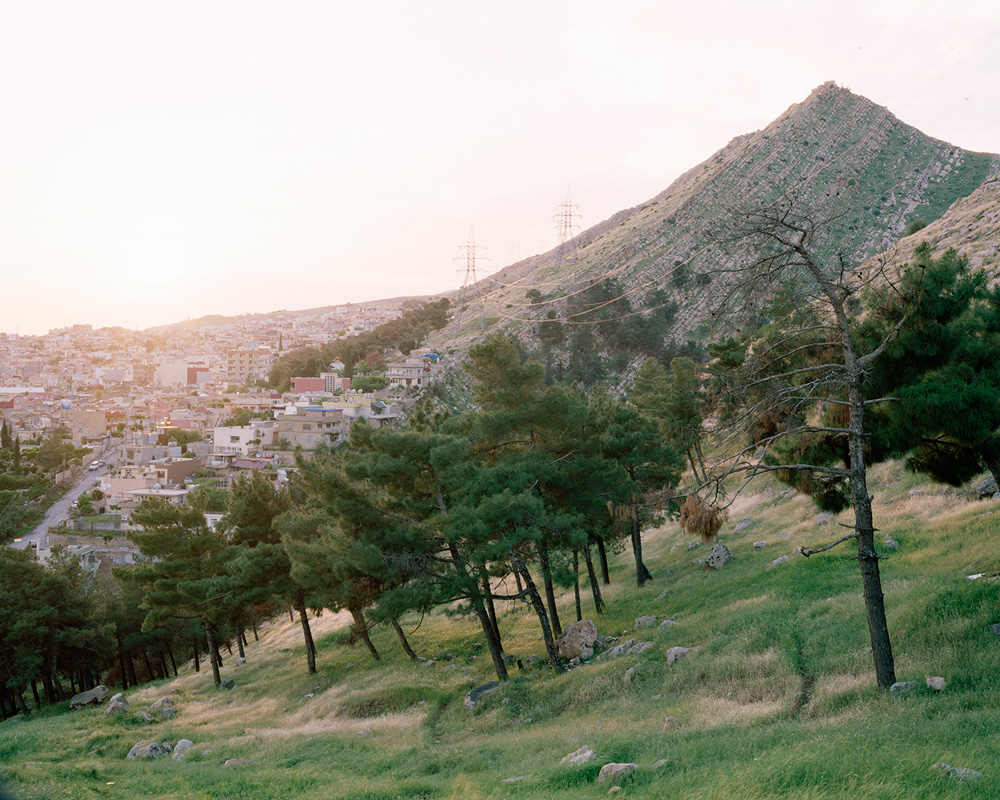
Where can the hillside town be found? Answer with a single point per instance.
(164, 412)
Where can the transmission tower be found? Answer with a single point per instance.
(471, 290)
(565, 221)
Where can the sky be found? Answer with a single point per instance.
(162, 161)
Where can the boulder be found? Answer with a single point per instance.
(719, 556)
(149, 749)
(163, 701)
(890, 544)
(239, 762)
(777, 562)
(472, 698)
(577, 640)
(667, 623)
(675, 653)
(646, 621)
(92, 697)
(142, 716)
(228, 683)
(958, 773)
(995, 629)
(903, 687)
(743, 524)
(639, 649)
(629, 675)
(118, 705)
(182, 745)
(934, 682)
(615, 772)
(168, 713)
(986, 488)
(694, 545)
(580, 756)
(759, 545)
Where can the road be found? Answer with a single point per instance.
(59, 510)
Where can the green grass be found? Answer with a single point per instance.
(398, 729)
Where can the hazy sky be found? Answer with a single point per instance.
(164, 160)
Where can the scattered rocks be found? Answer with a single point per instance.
(118, 705)
(646, 621)
(675, 653)
(473, 697)
(92, 697)
(581, 756)
(903, 687)
(958, 773)
(239, 762)
(616, 772)
(777, 562)
(934, 682)
(759, 545)
(743, 524)
(149, 749)
(578, 640)
(719, 556)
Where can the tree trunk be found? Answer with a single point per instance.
(992, 464)
(402, 638)
(602, 553)
(22, 707)
(131, 668)
(576, 584)
(307, 635)
(550, 594)
(490, 606)
(543, 618)
(170, 652)
(163, 664)
(253, 625)
(121, 662)
(361, 629)
(213, 654)
(517, 578)
(34, 695)
(149, 667)
(595, 587)
(197, 660)
(239, 642)
(641, 573)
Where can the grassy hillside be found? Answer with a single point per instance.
(778, 700)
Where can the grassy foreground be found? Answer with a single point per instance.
(778, 701)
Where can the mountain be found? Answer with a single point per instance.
(836, 152)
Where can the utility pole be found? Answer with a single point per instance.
(470, 285)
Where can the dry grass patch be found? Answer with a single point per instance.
(723, 712)
(746, 602)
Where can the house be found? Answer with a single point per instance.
(310, 426)
(415, 371)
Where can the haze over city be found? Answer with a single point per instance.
(165, 162)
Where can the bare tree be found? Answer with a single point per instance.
(790, 378)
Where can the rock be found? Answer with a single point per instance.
(759, 545)
(995, 629)
(667, 623)
(675, 653)
(168, 713)
(644, 622)
(934, 682)
(958, 773)
(615, 772)
(986, 488)
(614, 790)
(178, 757)
(163, 702)
(92, 697)
(915, 492)
(719, 556)
(472, 698)
(580, 756)
(117, 705)
(477, 645)
(824, 518)
(239, 762)
(430, 662)
(577, 640)
(364, 732)
(890, 544)
(639, 649)
(515, 779)
(575, 662)
(617, 650)
(903, 687)
(182, 745)
(629, 675)
(142, 716)
(240, 661)
(743, 524)
(694, 545)
(777, 562)
(228, 684)
(660, 764)
(149, 749)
